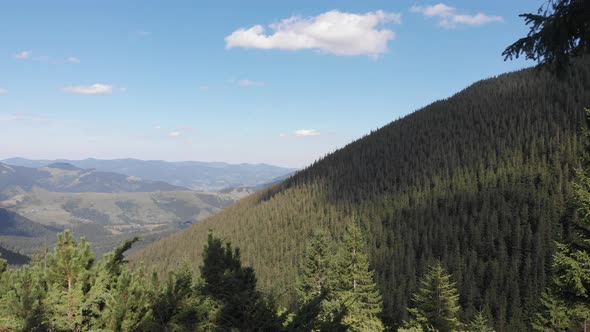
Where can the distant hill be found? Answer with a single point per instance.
(203, 176)
(30, 220)
(480, 181)
(64, 177)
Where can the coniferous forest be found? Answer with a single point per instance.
(481, 182)
(471, 214)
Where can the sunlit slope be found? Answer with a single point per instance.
(480, 180)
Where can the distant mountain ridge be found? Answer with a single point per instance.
(64, 177)
(196, 175)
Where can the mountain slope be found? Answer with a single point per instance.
(13, 258)
(195, 175)
(13, 224)
(479, 180)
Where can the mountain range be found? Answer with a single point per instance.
(64, 177)
(194, 175)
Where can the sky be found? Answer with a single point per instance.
(277, 82)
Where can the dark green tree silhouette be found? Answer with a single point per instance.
(560, 29)
(233, 286)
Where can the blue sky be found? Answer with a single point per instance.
(260, 81)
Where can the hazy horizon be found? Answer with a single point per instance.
(262, 83)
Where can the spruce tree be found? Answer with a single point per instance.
(316, 312)
(571, 262)
(354, 286)
(480, 324)
(554, 315)
(315, 268)
(436, 304)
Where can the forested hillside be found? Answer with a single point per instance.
(481, 181)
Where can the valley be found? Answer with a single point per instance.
(102, 206)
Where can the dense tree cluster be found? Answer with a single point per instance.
(68, 290)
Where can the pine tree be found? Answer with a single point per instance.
(179, 307)
(233, 287)
(68, 274)
(436, 302)
(20, 305)
(354, 286)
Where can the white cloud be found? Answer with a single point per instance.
(73, 59)
(143, 33)
(23, 54)
(94, 89)
(22, 116)
(3, 91)
(46, 59)
(174, 134)
(250, 83)
(333, 32)
(449, 17)
(306, 132)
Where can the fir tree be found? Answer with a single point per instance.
(436, 302)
